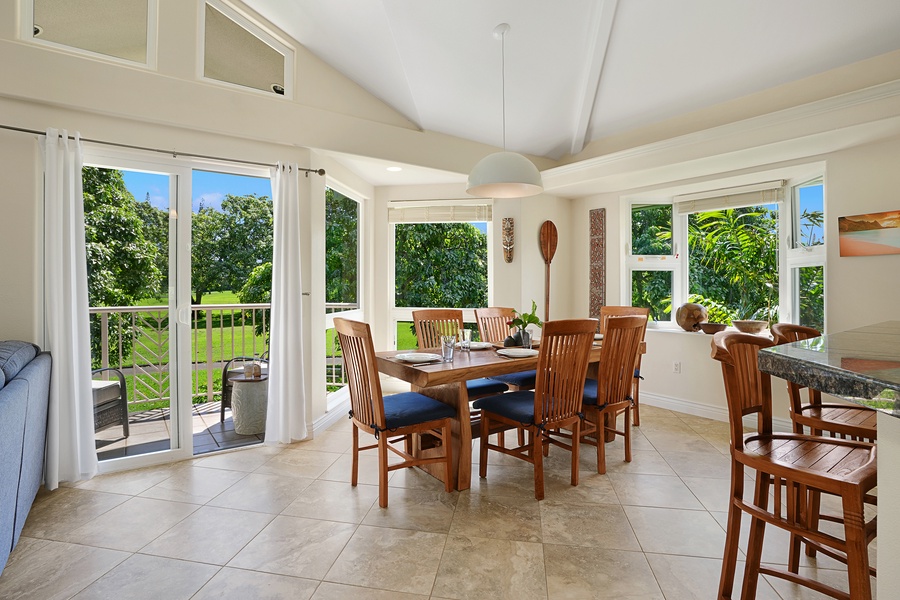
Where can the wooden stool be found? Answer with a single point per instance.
(795, 467)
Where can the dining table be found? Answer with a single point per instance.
(445, 381)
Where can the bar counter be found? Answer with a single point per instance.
(861, 365)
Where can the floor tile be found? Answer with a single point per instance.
(497, 517)
(337, 591)
(54, 570)
(673, 531)
(299, 463)
(390, 559)
(210, 535)
(333, 501)
(422, 510)
(262, 493)
(194, 484)
(131, 525)
(150, 577)
(653, 490)
(597, 526)
(56, 513)
(583, 573)
(478, 567)
(693, 578)
(238, 584)
(294, 546)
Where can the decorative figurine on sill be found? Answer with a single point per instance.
(690, 315)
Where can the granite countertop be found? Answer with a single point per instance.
(862, 365)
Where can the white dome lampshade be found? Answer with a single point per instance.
(504, 175)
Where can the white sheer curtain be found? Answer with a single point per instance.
(286, 417)
(71, 455)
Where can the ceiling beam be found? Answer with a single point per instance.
(603, 22)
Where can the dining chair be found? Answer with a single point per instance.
(493, 326)
(789, 466)
(431, 324)
(626, 311)
(391, 419)
(554, 403)
(609, 395)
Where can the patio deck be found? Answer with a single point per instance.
(149, 432)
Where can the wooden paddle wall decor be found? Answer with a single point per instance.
(549, 239)
(508, 238)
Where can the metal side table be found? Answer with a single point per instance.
(249, 399)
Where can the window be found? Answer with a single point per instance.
(118, 29)
(728, 250)
(440, 261)
(238, 52)
(341, 252)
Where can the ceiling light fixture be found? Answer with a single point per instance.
(504, 174)
(395, 169)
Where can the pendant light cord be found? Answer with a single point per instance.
(503, 84)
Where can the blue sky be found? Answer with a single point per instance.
(206, 186)
(811, 199)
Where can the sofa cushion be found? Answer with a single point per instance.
(14, 355)
(104, 391)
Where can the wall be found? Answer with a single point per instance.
(20, 227)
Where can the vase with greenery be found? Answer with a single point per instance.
(520, 322)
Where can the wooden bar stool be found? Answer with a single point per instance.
(793, 466)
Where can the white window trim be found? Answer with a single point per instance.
(26, 33)
(259, 30)
(678, 264)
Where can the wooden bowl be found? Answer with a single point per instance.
(750, 326)
(712, 328)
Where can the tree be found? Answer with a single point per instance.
(121, 261)
(440, 264)
(245, 237)
(208, 272)
(258, 290)
(156, 231)
(341, 247)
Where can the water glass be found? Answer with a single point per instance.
(465, 340)
(526, 339)
(448, 343)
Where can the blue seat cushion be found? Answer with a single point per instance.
(590, 392)
(518, 406)
(483, 386)
(411, 408)
(522, 379)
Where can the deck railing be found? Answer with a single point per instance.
(135, 339)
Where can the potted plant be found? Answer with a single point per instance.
(522, 337)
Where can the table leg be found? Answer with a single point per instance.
(456, 396)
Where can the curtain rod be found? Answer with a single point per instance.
(174, 153)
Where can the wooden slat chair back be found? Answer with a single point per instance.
(390, 419)
(493, 323)
(432, 323)
(608, 396)
(554, 403)
(628, 311)
(793, 468)
(849, 421)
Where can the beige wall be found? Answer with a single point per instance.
(20, 228)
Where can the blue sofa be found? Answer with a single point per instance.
(24, 396)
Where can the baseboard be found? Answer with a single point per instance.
(717, 413)
(338, 411)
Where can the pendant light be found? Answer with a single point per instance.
(504, 174)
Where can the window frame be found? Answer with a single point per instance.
(26, 33)
(253, 27)
(789, 258)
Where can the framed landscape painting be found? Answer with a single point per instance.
(871, 234)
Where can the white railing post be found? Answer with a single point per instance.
(209, 357)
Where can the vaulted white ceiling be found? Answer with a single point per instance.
(578, 70)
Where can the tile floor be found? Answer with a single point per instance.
(283, 522)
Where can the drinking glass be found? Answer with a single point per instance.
(465, 340)
(448, 342)
(526, 339)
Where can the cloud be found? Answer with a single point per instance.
(209, 200)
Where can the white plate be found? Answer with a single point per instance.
(517, 352)
(598, 336)
(418, 357)
(478, 345)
